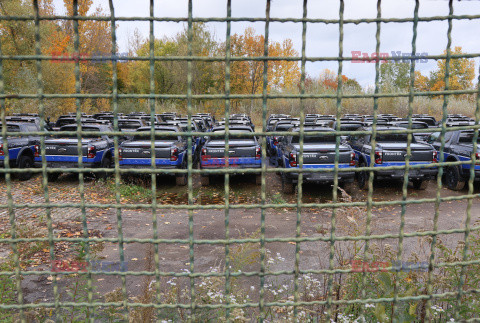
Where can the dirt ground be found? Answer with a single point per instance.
(210, 224)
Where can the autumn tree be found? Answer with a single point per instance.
(18, 38)
(247, 75)
(94, 40)
(421, 83)
(327, 81)
(462, 73)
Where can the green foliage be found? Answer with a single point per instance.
(8, 290)
(394, 76)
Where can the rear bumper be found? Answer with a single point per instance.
(233, 162)
(57, 164)
(329, 177)
(324, 177)
(415, 173)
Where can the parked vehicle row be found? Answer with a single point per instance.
(169, 151)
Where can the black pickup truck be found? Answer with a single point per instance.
(318, 153)
(458, 147)
(244, 152)
(391, 150)
(21, 149)
(61, 150)
(170, 151)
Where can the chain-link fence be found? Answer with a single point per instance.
(246, 282)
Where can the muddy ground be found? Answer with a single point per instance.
(210, 224)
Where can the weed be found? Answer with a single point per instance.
(277, 198)
(132, 192)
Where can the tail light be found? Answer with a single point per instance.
(173, 154)
(352, 159)
(37, 151)
(293, 159)
(275, 141)
(92, 151)
(435, 157)
(258, 153)
(477, 158)
(204, 154)
(378, 157)
(1, 150)
(120, 153)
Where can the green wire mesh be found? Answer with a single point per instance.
(262, 304)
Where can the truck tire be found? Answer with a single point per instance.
(106, 163)
(205, 180)
(258, 179)
(52, 177)
(287, 185)
(25, 162)
(181, 179)
(453, 179)
(362, 177)
(419, 184)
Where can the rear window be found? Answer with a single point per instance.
(11, 128)
(414, 125)
(467, 138)
(283, 127)
(129, 125)
(166, 137)
(392, 137)
(314, 139)
(64, 122)
(231, 138)
(85, 133)
(351, 126)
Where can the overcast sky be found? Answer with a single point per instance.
(322, 39)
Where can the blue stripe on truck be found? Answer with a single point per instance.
(232, 161)
(71, 159)
(148, 161)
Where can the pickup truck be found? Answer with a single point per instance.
(458, 147)
(318, 152)
(244, 152)
(419, 136)
(391, 150)
(21, 149)
(61, 150)
(170, 151)
(279, 126)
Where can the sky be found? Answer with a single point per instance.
(322, 39)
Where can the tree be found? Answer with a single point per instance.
(327, 81)
(421, 83)
(394, 76)
(94, 40)
(247, 76)
(462, 73)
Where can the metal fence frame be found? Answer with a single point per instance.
(262, 304)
